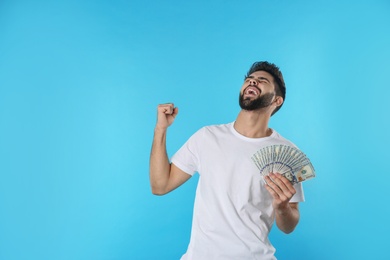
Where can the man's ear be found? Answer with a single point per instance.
(278, 101)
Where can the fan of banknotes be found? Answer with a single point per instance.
(289, 161)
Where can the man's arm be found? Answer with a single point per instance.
(286, 213)
(164, 176)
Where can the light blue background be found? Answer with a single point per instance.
(79, 85)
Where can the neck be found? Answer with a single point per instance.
(252, 124)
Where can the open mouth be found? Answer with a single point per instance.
(252, 91)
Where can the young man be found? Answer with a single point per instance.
(234, 208)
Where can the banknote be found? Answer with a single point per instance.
(287, 160)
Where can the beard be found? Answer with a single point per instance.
(258, 103)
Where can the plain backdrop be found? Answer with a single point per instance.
(79, 85)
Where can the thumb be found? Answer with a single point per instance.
(175, 111)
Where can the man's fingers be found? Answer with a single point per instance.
(166, 114)
(272, 192)
(167, 109)
(280, 185)
(175, 111)
(272, 183)
(286, 186)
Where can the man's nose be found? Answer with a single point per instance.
(252, 82)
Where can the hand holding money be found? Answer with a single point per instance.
(280, 188)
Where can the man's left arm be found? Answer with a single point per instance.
(286, 212)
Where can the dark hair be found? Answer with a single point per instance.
(280, 87)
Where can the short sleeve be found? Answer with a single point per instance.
(187, 157)
(299, 195)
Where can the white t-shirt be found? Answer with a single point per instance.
(233, 211)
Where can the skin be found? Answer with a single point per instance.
(165, 176)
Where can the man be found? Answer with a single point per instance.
(234, 207)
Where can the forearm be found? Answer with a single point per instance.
(287, 218)
(159, 166)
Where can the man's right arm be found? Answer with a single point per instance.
(164, 176)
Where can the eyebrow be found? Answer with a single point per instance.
(261, 78)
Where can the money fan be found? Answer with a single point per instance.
(286, 160)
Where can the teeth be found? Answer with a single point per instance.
(251, 91)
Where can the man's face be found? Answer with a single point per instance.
(258, 91)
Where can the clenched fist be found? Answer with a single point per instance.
(166, 114)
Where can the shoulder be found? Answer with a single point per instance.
(216, 128)
(212, 131)
(278, 138)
